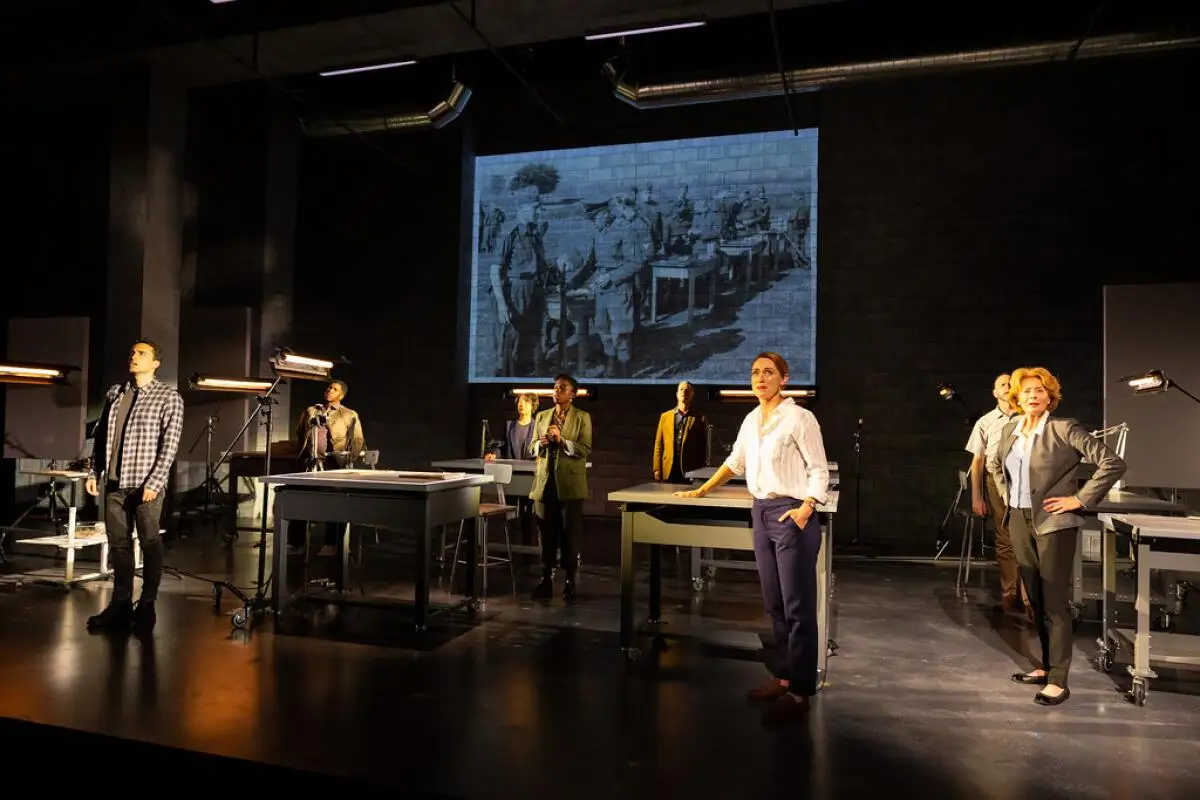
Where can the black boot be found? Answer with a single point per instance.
(116, 616)
(569, 590)
(545, 589)
(144, 617)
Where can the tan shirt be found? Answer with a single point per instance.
(343, 424)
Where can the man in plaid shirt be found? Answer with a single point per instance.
(136, 441)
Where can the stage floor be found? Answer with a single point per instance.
(536, 700)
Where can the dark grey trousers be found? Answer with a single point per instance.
(1047, 565)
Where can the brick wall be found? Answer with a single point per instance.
(967, 225)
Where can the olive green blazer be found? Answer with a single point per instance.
(570, 467)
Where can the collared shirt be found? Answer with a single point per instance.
(985, 436)
(783, 458)
(150, 438)
(1017, 464)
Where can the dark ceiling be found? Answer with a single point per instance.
(56, 44)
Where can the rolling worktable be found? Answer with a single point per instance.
(651, 514)
(1115, 502)
(1158, 543)
(413, 502)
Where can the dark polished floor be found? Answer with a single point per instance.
(537, 701)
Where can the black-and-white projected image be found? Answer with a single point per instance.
(646, 263)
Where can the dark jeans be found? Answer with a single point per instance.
(787, 567)
(123, 509)
(1047, 565)
(561, 522)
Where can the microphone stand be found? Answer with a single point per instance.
(857, 482)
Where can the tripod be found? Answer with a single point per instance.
(211, 487)
(251, 605)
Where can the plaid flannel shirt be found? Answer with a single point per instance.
(151, 436)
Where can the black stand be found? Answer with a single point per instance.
(251, 605)
(212, 489)
(857, 482)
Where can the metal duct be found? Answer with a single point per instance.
(439, 116)
(745, 87)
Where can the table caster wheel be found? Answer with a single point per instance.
(239, 618)
(710, 572)
(476, 607)
(632, 653)
(1105, 661)
(698, 584)
(1138, 694)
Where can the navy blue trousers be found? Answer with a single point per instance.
(786, 556)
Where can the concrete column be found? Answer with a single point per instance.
(278, 251)
(149, 127)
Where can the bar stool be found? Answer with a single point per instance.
(501, 477)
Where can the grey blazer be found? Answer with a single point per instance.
(1061, 447)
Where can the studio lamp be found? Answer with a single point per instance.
(34, 374)
(1154, 382)
(946, 391)
(288, 364)
(212, 383)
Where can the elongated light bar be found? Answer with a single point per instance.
(41, 374)
(543, 392)
(748, 394)
(366, 68)
(213, 383)
(658, 28)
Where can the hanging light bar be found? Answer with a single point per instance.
(366, 68)
(748, 394)
(662, 27)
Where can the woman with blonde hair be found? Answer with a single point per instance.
(1034, 468)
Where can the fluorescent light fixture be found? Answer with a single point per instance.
(36, 374)
(216, 384)
(748, 394)
(219, 2)
(366, 68)
(289, 365)
(541, 392)
(1154, 382)
(650, 28)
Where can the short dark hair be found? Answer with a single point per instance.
(341, 383)
(562, 376)
(154, 348)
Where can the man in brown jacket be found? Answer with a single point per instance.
(679, 443)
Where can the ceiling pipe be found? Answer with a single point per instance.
(437, 117)
(746, 87)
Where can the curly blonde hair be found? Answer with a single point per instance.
(1047, 379)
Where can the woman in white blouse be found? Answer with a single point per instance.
(780, 451)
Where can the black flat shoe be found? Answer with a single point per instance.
(1047, 700)
(1033, 680)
